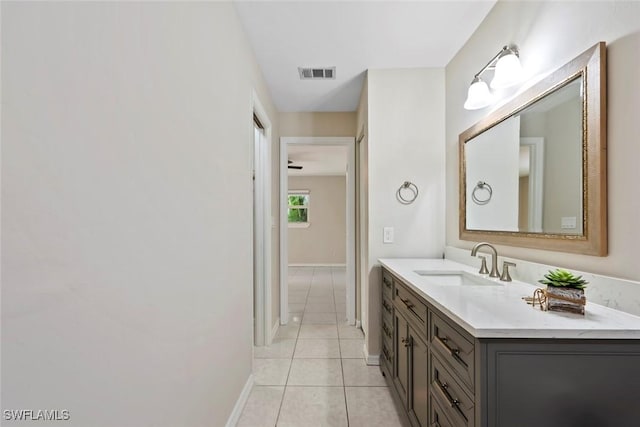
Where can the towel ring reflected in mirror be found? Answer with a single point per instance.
(410, 191)
(482, 193)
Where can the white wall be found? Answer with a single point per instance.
(549, 34)
(126, 196)
(325, 240)
(362, 205)
(562, 196)
(317, 124)
(405, 143)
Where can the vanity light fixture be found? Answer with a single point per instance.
(507, 72)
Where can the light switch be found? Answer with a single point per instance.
(568, 222)
(387, 235)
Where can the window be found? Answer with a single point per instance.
(298, 211)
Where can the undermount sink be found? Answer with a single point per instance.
(455, 278)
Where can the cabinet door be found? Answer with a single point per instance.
(401, 342)
(570, 382)
(419, 385)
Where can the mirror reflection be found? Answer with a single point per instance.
(525, 174)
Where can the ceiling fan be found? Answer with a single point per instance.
(290, 166)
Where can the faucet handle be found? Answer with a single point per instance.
(505, 277)
(483, 265)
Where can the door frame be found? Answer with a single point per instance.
(262, 232)
(349, 143)
(536, 181)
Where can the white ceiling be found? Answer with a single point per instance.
(318, 159)
(353, 36)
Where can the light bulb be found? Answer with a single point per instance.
(508, 70)
(478, 95)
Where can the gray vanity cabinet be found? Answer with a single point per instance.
(387, 326)
(417, 405)
(410, 367)
(411, 371)
(401, 362)
(582, 383)
(432, 369)
(444, 377)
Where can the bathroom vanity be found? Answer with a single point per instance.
(462, 350)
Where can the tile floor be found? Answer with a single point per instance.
(314, 372)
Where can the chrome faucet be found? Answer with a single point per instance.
(494, 257)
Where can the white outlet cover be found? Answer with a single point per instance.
(568, 222)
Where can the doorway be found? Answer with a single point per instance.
(261, 175)
(348, 144)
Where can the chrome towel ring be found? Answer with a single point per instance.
(407, 193)
(480, 199)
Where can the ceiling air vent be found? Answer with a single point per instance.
(317, 73)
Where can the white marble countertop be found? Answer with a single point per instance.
(496, 310)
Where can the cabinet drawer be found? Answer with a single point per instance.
(437, 417)
(453, 400)
(387, 284)
(409, 304)
(455, 349)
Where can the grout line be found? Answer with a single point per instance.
(344, 386)
(286, 382)
(284, 391)
(316, 271)
(316, 386)
(344, 391)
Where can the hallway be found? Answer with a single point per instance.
(314, 373)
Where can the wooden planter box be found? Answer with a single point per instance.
(565, 299)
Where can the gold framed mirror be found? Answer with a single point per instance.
(534, 172)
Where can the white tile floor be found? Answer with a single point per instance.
(314, 373)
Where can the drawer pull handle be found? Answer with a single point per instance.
(408, 303)
(443, 389)
(386, 355)
(386, 330)
(410, 306)
(386, 306)
(454, 352)
(408, 342)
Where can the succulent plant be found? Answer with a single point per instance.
(563, 279)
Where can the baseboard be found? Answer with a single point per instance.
(358, 324)
(274, 330)
(242, 400)
(317, 265)
(370, 359)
